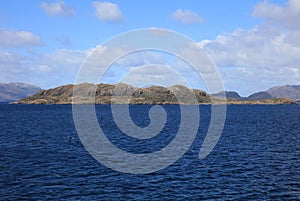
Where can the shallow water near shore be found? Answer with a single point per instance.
(256, 158)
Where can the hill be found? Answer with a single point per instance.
(229, 94)
(260, 96)
(16, 90)
(232, 95)
(286, 91)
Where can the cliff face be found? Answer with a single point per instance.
(123, 94)
(16, 90)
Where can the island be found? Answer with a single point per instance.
(87, 93)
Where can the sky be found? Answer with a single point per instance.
(254, 44)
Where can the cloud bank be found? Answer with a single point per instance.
(267, 51)
(17, 39)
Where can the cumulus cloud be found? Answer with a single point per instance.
(141, 58)
(16, 67)
(107, 11)
(18, 39)
(287, 15)
(186, 17)
(260, 46)
(62, 66)
(45, 70)
(57, 9)
(152, 74)
(11, 63)
(262, 56)
(265, 46)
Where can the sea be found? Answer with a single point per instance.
(257, 156)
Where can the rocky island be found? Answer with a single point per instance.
(123, 93)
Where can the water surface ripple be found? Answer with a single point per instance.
(257, 157)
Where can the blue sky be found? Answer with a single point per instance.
(254, 44)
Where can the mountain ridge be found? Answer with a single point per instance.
(286, 91)
(262, 95)
(16, 90)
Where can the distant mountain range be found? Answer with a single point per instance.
(16, 90)
(263, 95)
(150, 95)
(287, 91)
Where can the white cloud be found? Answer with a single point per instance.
(11, 63)
(107, 11)
(62, 66)
(186, 17)
(287, 15)
(262, 56)
(140, 58)
(152, 74)
(52, 69)
(57, 9)
(44, 70)
(257, 47)
(16, 68)
(18, 39)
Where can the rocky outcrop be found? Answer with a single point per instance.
(123, 94)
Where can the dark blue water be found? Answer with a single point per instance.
(256, 158)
